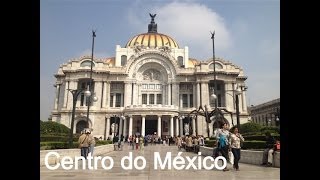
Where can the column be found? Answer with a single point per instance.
(125, 127)
(175, 94)
(128, 93)
(57, 97)
(66, 94)
(169, 93)
(229, 97)
(114, 100)
(244, 102)
(188, 99)
(198, 95)
(120, 127)
(107, 94)
(107, 128)
(180, 101)
(164, 100)
(134, 92)
(143, 125)
(104, 95)
(139, 94)
(194, 92)
(72, 85)
(181, 127)
(205, 94)
(148, 98)
(159, 126)
(193, 126)
(130, 126)
(97, 93)
(171, 126)
(177, 126)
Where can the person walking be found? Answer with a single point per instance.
(235, 143)
(92, 143)
(84, 143)
(223, 139)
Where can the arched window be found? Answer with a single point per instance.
(123, 60)
(86, 63)
(218, 66)
(180, 61)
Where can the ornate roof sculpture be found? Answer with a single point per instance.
(152, 38)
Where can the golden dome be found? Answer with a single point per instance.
(152, 40)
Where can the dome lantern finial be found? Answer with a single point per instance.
(152, 27)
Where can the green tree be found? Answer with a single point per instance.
(49, 127)
(250, 128)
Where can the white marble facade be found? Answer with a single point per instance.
(151, 82)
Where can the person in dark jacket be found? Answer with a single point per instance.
(270, 141)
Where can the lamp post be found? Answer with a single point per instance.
(214, 75)
(89, 90)
(75, 94)
(237, 93)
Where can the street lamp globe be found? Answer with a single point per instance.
(87, 93)
(95, 99)
(213, 96)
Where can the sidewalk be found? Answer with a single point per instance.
(117, 172)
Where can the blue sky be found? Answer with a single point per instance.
(247, 34)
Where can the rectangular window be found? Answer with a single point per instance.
(118, 100)
(184, 100)
(191, 100)
(219, 100)
(159, 98)
(144, 98)
(151, 86)
(218, 86)
(151, 98)
(82, 99)
(111, 100)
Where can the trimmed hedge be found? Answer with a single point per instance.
(254, 145)
(49, 127)
(246, 144)
(271, 129)
(65, 145)
(50, 138)
(209, 143)
(57, 145)
(259, 137)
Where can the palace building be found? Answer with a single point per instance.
(149, 87)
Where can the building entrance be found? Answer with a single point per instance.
(151, 126)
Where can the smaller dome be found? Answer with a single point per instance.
(152, 40)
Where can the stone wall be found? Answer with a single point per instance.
(99, 150)
(247, 156)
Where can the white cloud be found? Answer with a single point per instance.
(190, 25)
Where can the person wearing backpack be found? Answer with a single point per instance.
(223, 140)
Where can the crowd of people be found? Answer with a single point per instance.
(228, 143)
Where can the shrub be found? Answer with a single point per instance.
(254, 145)
(49, 127)
(271, 129)
(250, 127)
(54, 138)
(259, 137)
(103, 142)
(209, 143)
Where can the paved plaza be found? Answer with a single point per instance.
(246, 172)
